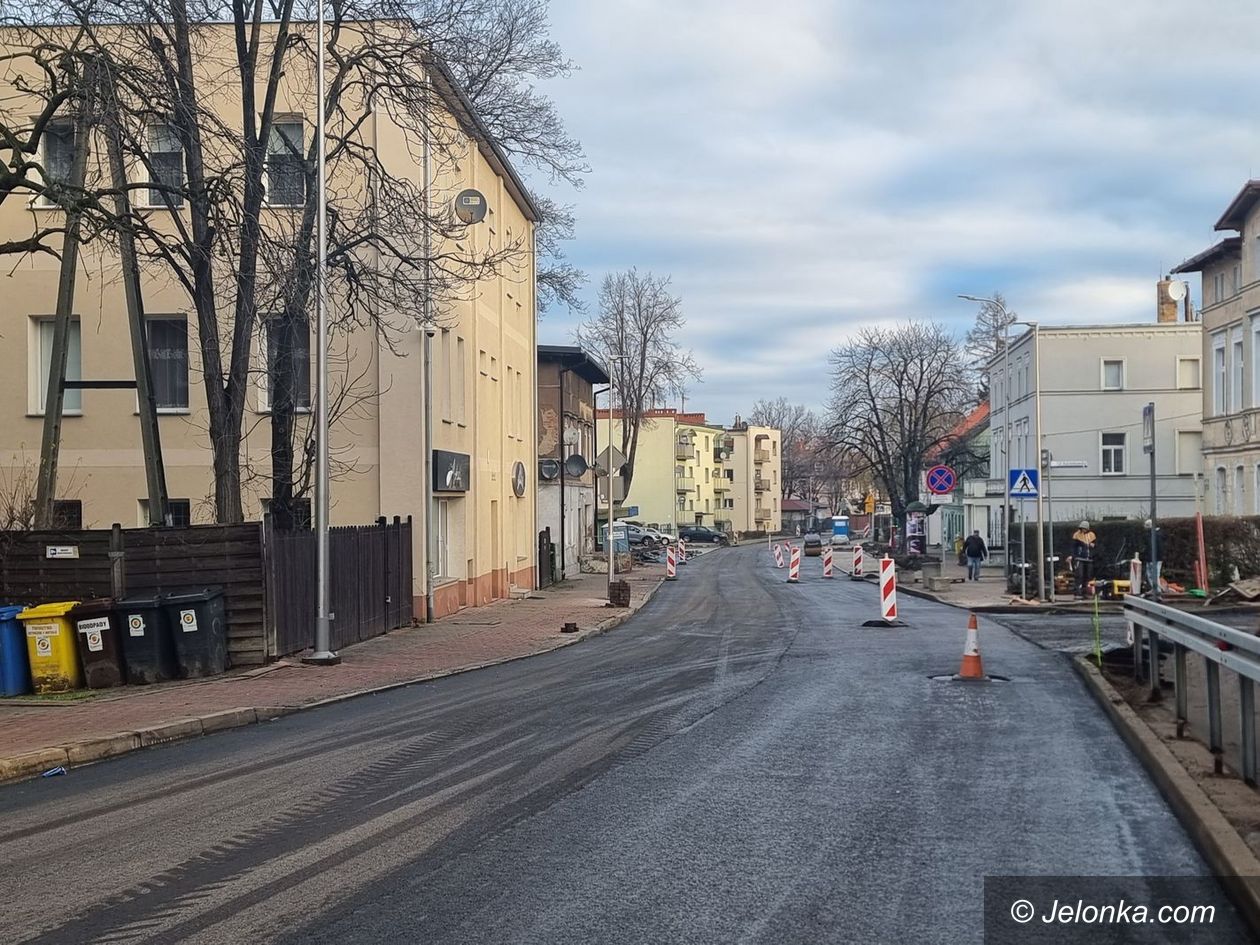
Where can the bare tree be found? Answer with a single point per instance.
(798, 434)
(896, 393)
(635, 333)
(985, 339)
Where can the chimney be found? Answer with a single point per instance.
(1166, 302)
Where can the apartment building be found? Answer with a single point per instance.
(1230, 350)
(1095, 381)
(753, 469)
(567, 377)
(479, 538)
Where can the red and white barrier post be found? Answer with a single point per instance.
(682, 551)
(1135, 576)
(888, 589)
(778, 556)
(671, 564)
(794, 568)
(827, 564)
(856, 573)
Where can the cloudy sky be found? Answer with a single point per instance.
(805, 167)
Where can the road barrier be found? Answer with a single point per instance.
(888, 589)
(972, 667)
(682, 551)
(778, 556)
(1220, 646)
(671, 564)
(794, 569)
(826, 556)
(856, 573)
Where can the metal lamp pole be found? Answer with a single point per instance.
(323, 654)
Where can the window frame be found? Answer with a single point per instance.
(1255, 359)
(1221, 486)
(1188, 359)
(41, 200)
(164, 201)
(37, 376)
(262, 388)
(299, 156)
(1105, 448)
(1220, 373)
(60, 506)
(142, 512)
(187, 407)
(1102, 370)
(1237, 366)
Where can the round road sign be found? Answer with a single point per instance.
(940, 480)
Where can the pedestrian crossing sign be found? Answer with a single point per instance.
(1025, 483)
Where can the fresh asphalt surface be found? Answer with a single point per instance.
(742, 762)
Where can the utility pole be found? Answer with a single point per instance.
(1148, 447)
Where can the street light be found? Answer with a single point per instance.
(612, 360)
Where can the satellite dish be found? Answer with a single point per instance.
(470, 206)
(548, 469)
(576, 465)
(1176, 291)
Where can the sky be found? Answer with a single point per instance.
(804, 168)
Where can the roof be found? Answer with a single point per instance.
(963, 430)
(1236, 213)
(796, 505)
(1230, 246)
(575, 359)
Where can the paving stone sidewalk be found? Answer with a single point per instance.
(34, 733)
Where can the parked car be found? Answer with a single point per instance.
(813, 544)
(637, 534)
(662, 538)
(700, 534)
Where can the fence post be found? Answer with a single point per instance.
(117, 563)
(1214, 714)
(1156, 692)
(1247, 728)
(1180, 683)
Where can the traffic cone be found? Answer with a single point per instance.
(972, 668)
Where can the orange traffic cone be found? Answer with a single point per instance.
(972, 668)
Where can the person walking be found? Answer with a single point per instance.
(976, 551)
(1083, 541)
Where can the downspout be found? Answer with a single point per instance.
(564, 540)
(430, 511)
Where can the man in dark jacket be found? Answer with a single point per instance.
(975, 550)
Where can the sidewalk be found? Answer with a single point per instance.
(37, 734)
(990, 593)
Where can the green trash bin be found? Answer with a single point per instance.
(198, 622)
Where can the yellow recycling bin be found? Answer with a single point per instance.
(50, 646)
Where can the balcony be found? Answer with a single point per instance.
(761, 456)
(684, 449)
(685, 483)
(761, 485)
(721, 484)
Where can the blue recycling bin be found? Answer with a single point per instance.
(15, 668)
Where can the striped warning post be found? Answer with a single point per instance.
(682, 551)
(856, 573)
(671, 564)
(778, 556)
(794, 568)
(826, 556)
(888, 589)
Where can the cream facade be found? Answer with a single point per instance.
(483, 349)
(1230, 352)
(753, 468)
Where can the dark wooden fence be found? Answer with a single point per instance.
(267, 576)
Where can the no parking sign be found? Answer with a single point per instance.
(941, 480)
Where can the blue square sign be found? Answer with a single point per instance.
(1025, 483)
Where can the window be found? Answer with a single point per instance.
(58, 148)
(286, 345)
(1218, 500)
(1255, 491)
(1188, 374)
(730, 503)
(1113, 454)
(459, 381)
(1236, 369)
(1236, 278)
(166, 166)
(444, 538)
(1189, 450)
(1255, 360)
(1218, 287)
(167, 341)
(68, 514)
(1240, 476)
(446, 391)
(1220, 376)
(302, 516)
(73, 401)
(179, 511)
(286, 165)
(1113, 374)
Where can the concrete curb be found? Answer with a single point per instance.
(28, 764)
(1228, 856)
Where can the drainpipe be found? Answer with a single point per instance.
(430, 506)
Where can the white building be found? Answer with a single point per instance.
(1095, 380)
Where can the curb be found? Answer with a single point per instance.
(28, 764)
(1228, 856)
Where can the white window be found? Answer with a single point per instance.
(446, 390)
(286, 165)
(179, 511)
(1218, 502)
(1236, 278)
(1240, 476)
(1220, 376)
(1189, 376)
(1113, 374)
(443, 562)
(42, 343)
(166, 167)
(1113, 454)
(1189, 452)
(1236, 369)
(1255, 360)
(167, 341)
(1218, 287)
(57, 146)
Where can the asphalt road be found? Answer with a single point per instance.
(742, 762)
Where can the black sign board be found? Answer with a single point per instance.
(451, 471)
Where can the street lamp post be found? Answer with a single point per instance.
(1037, 453)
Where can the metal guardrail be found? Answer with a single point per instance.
(1220, 646)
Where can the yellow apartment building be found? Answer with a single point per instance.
(753, 468)
(481, 537)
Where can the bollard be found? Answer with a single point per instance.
(1135, 576)
(856, 574)
(888, 589)
(682, 551)
(778, 556)
(826, 556)
(671, 564)
(794, 569)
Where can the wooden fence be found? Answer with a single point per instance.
(267, 576)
